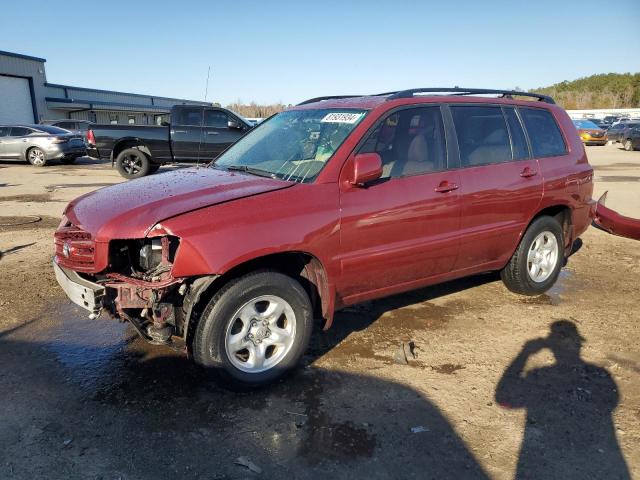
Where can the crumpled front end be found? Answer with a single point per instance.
(128, 279)
(614, 223)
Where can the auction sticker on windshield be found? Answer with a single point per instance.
(341, 117)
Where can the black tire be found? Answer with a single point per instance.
(68, 160)
(36, 157)
(628, 145)
(209, 341)
(154, 168)
(133, 163)
(516, 275)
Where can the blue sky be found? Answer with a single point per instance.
(291, 50)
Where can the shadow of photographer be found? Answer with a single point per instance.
(569, 431)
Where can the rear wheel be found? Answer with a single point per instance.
(133, 163)
(36, 157)
(536, 263)
(255, 329)
(628, 145)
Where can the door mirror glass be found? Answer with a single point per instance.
(367, 167)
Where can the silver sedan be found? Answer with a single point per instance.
(38, 144)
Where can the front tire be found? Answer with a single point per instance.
(628, 145)
(536, 263)
(36, 157)
(255, 329)
(133, 163)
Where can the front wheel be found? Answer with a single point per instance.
(628, 145)
(133, 163)
(255, 329)
(536, 263)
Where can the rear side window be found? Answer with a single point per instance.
(410, 142)
(518, 139)
(190, 116)
(544, 133)
(20, 131)
(67, 125)
(4, 131)
(482, 133)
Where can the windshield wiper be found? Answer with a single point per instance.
(251, 170)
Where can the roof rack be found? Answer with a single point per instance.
(338, 97)
(470, 91)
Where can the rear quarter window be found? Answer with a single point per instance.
(544, 134)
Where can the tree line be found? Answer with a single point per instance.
(604, 90)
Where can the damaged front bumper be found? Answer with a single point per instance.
(80, 291)
(614, 223)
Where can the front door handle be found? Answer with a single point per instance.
(528, 172)
(179, 131)
(213, 133)
(445, 187)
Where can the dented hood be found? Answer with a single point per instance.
(615, 223)
(130, 209)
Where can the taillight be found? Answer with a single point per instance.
(60, 140)
(91, 138)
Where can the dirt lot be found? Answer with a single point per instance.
(87, 399)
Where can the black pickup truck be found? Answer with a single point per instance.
(194, 134)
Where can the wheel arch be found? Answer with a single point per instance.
(302, 266)
(129, 142)
(561, 212)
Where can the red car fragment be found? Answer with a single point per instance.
(615, 223)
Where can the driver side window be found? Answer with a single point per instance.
(409, 142)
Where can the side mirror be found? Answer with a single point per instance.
(234, 124)
(367, 167)
(165, 124)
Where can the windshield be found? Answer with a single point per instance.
(585, 124)
(293, 145)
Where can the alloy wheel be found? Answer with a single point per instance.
(542, 256)
(36, 156)
(260, 334)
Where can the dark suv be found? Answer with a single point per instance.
(327, 204)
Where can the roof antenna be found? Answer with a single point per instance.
(202, 136)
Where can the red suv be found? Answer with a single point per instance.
(335, 201)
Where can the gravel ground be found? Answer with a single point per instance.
(88, 399)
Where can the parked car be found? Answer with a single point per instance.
(631, 139)
(194, 134)
(618, 132)
(330, 203)
(79, 127)
(38, 144)
(590, 133)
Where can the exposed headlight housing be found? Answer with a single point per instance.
(151, 254)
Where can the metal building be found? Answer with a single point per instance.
(27, 97)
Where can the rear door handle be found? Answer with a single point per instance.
(445, 187)
(528, 172)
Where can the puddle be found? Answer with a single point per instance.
(52, 188)
(617, 178)
(37, 198)
(447, 368)
(567, 284)
(109, 362)
(616, 166)
(11, 223)
(326, 439)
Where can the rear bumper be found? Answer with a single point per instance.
(83, 293)
(615, 223)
